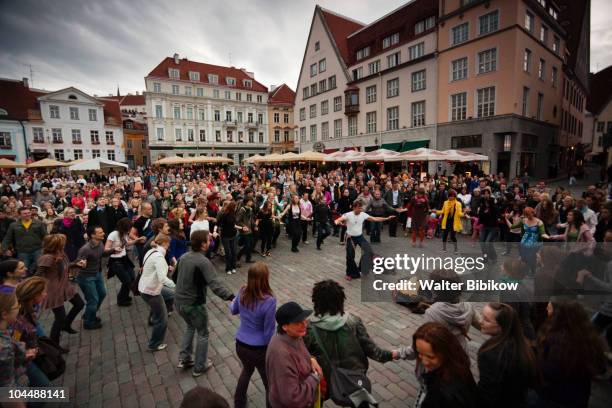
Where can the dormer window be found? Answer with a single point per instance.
(363, 53)
(390, 40)
(247, 83)
(174, 73)
(194, 76)
(230, 81)
(213, 79)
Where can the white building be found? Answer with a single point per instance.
(369, 86)
(74, 125)
(200, 109)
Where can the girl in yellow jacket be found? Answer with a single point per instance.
(451, 219)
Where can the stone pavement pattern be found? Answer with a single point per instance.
(111, 367)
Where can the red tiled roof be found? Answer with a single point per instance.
(340, 27)
(112, 111)
(601, 90)
(18, 100)
(130, 100)
(282, 95)
(204, 69)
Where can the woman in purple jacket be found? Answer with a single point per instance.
(256, 306)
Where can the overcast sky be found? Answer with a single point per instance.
(97, 45)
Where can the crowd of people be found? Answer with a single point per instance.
(158, 232)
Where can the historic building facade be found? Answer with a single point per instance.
(281, 127)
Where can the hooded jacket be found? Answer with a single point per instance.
(457, 317)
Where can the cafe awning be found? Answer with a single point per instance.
(405, 145)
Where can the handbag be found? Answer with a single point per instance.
(346, 387)
(49, 358)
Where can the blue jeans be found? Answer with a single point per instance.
(159, 318)
(488, 235)
(375, 231)
(36, 376)
(30, 259)
(94, 291)
(365, 263)
(196, 319)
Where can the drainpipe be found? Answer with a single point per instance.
(380, 110)
(25, 142)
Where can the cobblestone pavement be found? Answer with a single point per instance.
(111, 367)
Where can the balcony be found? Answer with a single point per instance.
(110, 142)
(75, 141)
(252, 125)
(6, 146)
(95, 142)
(38, 140)
(58, 140)
(230, 123)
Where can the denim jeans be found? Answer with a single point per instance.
(247, 246)
(230, 246)
(375, 231)
(29, 259)
(36, 376)
(94, 291)
(196, 319)
(323, 231)
(159, 317)
(365, 263)
(488, 235)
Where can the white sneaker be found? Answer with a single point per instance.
(229, 272)
(234, 271)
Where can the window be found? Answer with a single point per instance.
(76, 136)
(487, 61)
(54, 112)
(338, 128)
(392, 87)
(110, 154)
(230, 136)
(218, 136)
(554, 76)
(247, 83)
(95, 137)
(160, 134)
(374, 67)
(540, 112)
(216, 93)
(286, 118)
(393, 118)
(337, 103)
(305, 93)
(486, 102)
(556, 44)
(230, 81)
(363, 53)
(317, 46)
(324, 130)
(78, 154)
(38, 135)
(277, 136)
(331, 82)
(190, 113)
(527, 60)
(194, 76)
(463, 142)
(390, 40)
(393, 59)
(188, 90)
(178, 134)
(286, 136)
(542, 69)
(57, 135)
(313, 133)
(202, 114)
(419, 27)
(371, 94)
(525, 110)
(238, 96)
(600, 126)
(416, 51)
(313, 89)
(217, 114)
(175, 89)
(313, 70)
(459, 69)
(202, 135)
(529, 21)
(544, 34)
(357, 73)
(158, 112)
(324, 107)
(322, 85)
(74, 113)
(95, 153)
(302, 113)
(302, 134)
(5, 140)
(156, 87)
(459, 106)
(59, 154)
(313, 111)
(371, 122)
(228, 95)
(260, 118)
(352, 125)
(240, 137)
(177, 112)
(488, 23)
(110, 137)
(250, 117)
(174, 73)
(418, 114)
(322, 65)
(418, 81)
(460, 34)
(228, 116)
(93, 115)
(213, 79)
(276, 117)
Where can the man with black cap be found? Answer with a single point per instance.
(293, 375)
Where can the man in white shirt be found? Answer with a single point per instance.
(354, 231)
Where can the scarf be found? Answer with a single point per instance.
(68, 222)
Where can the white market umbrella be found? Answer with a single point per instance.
(97, 164)
(463, 156)
(422, 154)
(378, 155)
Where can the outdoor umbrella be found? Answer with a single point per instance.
(253, 159)
(209, 159)
(311, 156)
(378, 155)
(9, 164)
(463, 156)
(288, 157)
(171, 160)
(422, 154)
(46, 163)
(97, 164)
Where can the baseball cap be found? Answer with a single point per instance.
(291, 312)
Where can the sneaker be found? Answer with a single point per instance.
(207, 367)
(185, 363)
(234, 271)
(295, 250)
(306, 242)
(229, 272)
(341, 242)
(158, 348)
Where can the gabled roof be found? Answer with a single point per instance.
(17, 99)
(573, 11)
(184, 65)
(601, 90)
(281, 95)
(112, 111)
(71, 89)
(340, 28)
(129, 100)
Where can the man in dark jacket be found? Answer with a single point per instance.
(25, 236)
(194, 274)
(100, 216)
(321, 215)
(395, 199)
(379, 208)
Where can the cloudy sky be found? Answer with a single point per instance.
(97, 45)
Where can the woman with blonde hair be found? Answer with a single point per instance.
(55, 267)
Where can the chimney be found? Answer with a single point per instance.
(136, 93)
(176, 58)
(249, 73)
(26, 83)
